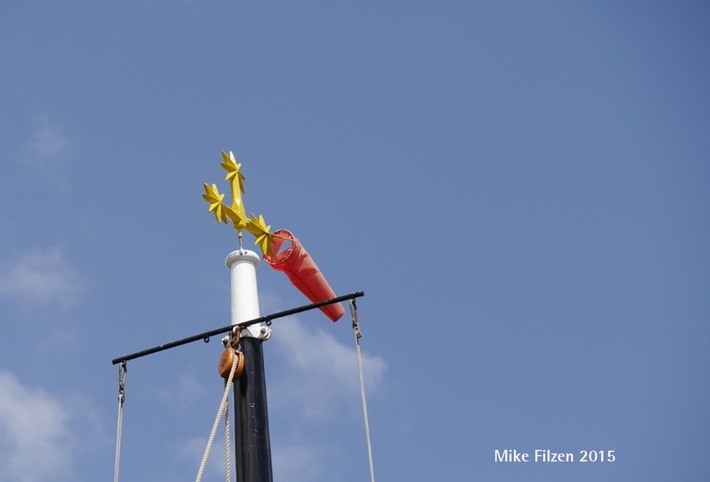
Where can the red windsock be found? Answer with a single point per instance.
(303, 272)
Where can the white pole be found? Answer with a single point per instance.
(245, 295)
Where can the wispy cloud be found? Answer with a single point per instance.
(41, 277)
(194, 449)
(325, 372)
(47, 143)
(316, 379)
(296, 463)
(191, 388)
(35, 441)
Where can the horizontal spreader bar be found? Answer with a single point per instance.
(264, 319)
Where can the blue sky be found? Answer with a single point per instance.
(521, 190)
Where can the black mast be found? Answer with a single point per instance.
(253, 446)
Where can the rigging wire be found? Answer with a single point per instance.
(358, 335)
(122, 372)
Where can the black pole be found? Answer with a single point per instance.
(253, 445)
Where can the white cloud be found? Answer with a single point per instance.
(47, 143)
(35, 442)
(296, 463)
(325, 373)
(191, 390)
(194, 449)
(42, 277)
(312, 377)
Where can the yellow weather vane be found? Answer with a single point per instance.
(236, 212)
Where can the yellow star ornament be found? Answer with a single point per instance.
(222, 212)
(230, 165)
(214, 198)
(236, 186)
(264, 238)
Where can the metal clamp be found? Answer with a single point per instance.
(122, 372)
(260, 332)
(353, 314)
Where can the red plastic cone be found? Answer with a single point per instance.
(303, 272)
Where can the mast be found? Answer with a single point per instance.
(253, 446)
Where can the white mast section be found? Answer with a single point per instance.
(245, 295)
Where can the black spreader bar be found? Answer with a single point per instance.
(264, 319)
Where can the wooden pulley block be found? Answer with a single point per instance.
(226, 361)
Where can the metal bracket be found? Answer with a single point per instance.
(260, 332)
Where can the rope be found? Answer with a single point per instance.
(358, 335)
(222, 407)
(122, 372)
(227, 446)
